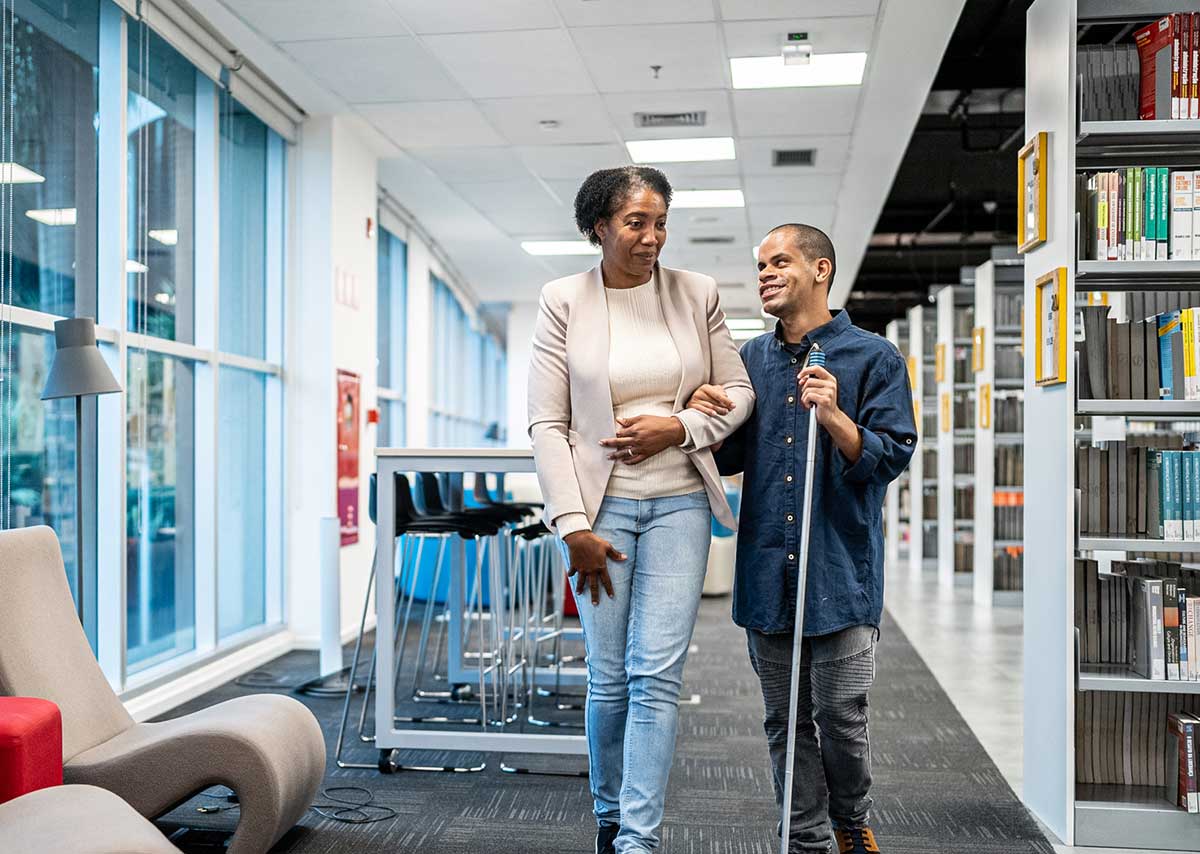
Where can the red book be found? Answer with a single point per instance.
(1185, 65)
(1194, 80)
(1155, 45)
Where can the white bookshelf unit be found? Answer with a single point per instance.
(947, 531)
(916, 468)
(1134, 817)
(895, 517)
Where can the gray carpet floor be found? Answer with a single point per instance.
(935, 789)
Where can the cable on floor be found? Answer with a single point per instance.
(341, 809)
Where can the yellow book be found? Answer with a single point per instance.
(1189, 354)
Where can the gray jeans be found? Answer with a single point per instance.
(832, 770)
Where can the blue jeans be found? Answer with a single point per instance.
(636, 646)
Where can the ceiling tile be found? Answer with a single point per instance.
(376, 69)
(715, 104)
(469, 164)
(292, 20)
(513, 64)
(500, 196)
(620, 58)
(774, 189)
(726, 179)
(530, 224)
(588, 13)
(756, 154)
(571, 162)
(779, 112)
(748, 10)
(827, 35)
(476, 16)
(765, 217)
(581, 119)
(432, 123)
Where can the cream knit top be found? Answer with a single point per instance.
(644, 371)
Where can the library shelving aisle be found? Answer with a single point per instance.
(930, 440)
(896, 514)
(916, 468)
(996, 360)
(1095, 741)
(955, 437)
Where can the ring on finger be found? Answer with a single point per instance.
(629, 452)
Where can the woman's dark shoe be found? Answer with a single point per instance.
(856, 840)
(606, 835)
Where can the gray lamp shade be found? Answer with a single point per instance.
(78, 368)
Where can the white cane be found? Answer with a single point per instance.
(815, 357)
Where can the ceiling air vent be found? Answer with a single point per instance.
(732, 286)
(712, 239)
(794, 156)
(694, 119)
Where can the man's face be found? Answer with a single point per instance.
(787, 281)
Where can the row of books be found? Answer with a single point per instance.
(1152, 359)
(1008, 515)
(964, 556)
(1007, 569)
(1143, 616)
(1169, 67)
(964, 502)
(964, 459)
(1139, 213)
(1125, 738)
(1007, 310)
(1146, 304)
(1109, 82)
(1010, 465)
(1128, 489)
(1010, 363)
(964, 321)
(1008, 415)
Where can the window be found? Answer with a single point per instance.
(392, 311)
(243, 243)
(468, 377)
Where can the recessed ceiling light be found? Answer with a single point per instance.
(132, 266)
(53, 216)
(15, 173)
(559, 247)
(549, 124)
(825, 69)
(165, 236)
(681, 150)
(708, 199)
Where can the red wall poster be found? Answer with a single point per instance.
(347, 454)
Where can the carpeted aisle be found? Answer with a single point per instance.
(935, 788)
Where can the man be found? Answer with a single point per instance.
(863, 404)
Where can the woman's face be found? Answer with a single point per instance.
(633, 237)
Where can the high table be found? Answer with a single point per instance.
(455, 463)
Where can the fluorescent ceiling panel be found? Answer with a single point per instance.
(165, 236)
(708, 199)
(132, 266)
(53, 216)
(559, 247)
(688, 150)
(825, 69)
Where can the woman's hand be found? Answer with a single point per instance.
(711, 400)
(589, 562)
(643, 436)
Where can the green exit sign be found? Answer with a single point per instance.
(797, 37)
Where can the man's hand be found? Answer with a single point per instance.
(819, 388)
(589, 562)
(711, 400)
(643, 436)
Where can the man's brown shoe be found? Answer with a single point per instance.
(856, 840)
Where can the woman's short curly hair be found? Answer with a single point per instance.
(602, 193)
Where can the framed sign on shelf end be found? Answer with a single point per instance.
(1053, 341)
(1032, 174)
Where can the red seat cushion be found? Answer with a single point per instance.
(30, 746)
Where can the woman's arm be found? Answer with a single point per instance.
(549, 401)
(727, 371)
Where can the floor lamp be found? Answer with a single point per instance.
(78, 370)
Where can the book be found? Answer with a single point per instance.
(1181, 758)
(1175, 46)
(1145, 639)
(1154, 522)
(1189, 507)
(1138, 220)
(1170, 616)
(1185, 64)
(1185, 671)
(1172, 508)
(1163, 230)
(1193, 614)
(1194, 74)
(1114, 215)
(1181, 215)
(1154, 48)
(1137, 359)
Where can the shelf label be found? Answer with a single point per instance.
(1108, 428)
(946, 425)
(978, 335)
(912, 372)
(940, 363)
(985, 406)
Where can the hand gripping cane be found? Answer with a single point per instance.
(815, 357)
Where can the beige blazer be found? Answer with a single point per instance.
(570, 402)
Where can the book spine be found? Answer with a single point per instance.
(1114, 215)
(1151, 179)
(1158, 660)
(1185, 65)
(1181, 215)
(1139, 216)
(1174, 515)
(1102, 216)
(1189, 740)
(1194, 77)
(1170, 612)
(1189, 510)
(1195, 220)
(1128, 216)
(1189, 362)
(1193, 607)
(1154, 485)
(1166, 378)
(1164, 213)
(1185, 672)
(1175, 66)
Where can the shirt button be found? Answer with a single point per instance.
(791, 557)
(793, 360)
(788, 440)
(791, 398)
(788, 478)
(908, 441)
(791, 518)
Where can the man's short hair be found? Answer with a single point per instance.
(813, 243)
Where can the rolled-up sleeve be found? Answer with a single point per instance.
(885, 423)
(549, 401)
(726, 370)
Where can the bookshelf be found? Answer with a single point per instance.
(916, 468)
(1121, 816)
(894, 519)
(999, 280)
(947, 530)
(955, 431)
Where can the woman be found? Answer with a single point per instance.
(628, 480)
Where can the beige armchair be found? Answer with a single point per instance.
(77, 820)
(267, 748)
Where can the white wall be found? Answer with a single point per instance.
(521, 319)
(336, 189)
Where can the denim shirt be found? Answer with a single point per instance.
(845, 563)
